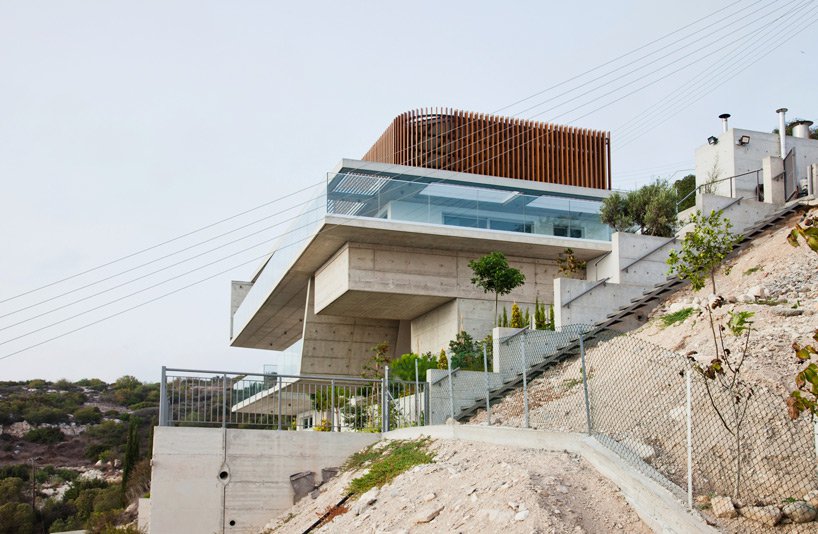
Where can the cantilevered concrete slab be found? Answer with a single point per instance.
(278, 322)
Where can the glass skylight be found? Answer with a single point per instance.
(461, 192)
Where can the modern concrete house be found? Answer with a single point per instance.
(731, 164)
(383, 253)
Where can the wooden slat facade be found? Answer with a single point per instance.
(463, 141)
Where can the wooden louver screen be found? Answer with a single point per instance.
(464, 141)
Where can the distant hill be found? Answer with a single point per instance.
(74, 438)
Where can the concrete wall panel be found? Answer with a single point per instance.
(187, 494)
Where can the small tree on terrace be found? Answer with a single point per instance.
(703, 249)
(493, 274)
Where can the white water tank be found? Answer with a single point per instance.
(800, 129)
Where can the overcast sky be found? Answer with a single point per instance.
(125, 124)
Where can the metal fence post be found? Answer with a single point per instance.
(224, 401)
(525, 381)
(486, 374)
(585, 383)
(279, 402)
(451, 388)
(332, 406)
(417, 394)
(427, 403)
(689, 394)
(164, 405)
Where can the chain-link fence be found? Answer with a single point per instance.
(650, 406)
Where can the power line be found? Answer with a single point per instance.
(155, 260)
(152, 247)
(704, 84)
(144, 250)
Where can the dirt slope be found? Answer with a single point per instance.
(477, 488)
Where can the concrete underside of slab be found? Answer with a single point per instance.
(656, 506)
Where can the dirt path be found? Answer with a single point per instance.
(479, 488)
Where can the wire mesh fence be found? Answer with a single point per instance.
(287, 402)
(651, 407)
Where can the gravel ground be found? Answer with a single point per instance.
(480, 488)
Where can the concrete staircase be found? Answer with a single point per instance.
(636, 311)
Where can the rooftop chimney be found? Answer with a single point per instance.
(724, 117)
(800, 129)
(782, 130)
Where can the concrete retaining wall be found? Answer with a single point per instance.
(204, 479)
(468, 387)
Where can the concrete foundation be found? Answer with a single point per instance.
(215, 481)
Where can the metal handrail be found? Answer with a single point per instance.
(601, 282)
(269, 375)
(432, 383)
(698, 187)
(512, 336)
(640, 258)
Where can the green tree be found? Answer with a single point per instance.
(131, 451)
(703, 249)
(684, 187)
(466, 353)
(615, 213)
(404, 367)
(442, 360)
(651, 210)
(87, 415)
(374, 367)
(492, 273)
(516, 316)
(16, 518)
(11, 490)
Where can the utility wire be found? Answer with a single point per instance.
(155, 260)
(163, 243)
(287, 196)
(213, 224)
(678, 100)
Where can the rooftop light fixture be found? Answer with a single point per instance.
(462, 192)
(712, 140)
(743, 140)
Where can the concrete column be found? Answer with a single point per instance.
(773, 170)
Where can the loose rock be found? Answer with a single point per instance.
(766, 515)
(799, 512)
(723, 507)
(428, 516)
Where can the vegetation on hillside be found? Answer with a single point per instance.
(66, 426)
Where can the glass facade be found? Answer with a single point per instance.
(452, 203)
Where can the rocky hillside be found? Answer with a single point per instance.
(73, 438)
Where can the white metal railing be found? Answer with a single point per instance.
(194, 397)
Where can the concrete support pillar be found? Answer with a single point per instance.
(773, 170)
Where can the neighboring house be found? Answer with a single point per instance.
(383, 253)
(740, 154)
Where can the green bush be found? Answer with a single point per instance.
(46, 435)
(42, 415)
(87, 415)
(404, 367)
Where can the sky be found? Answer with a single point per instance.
(124, 125)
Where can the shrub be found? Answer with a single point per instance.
(404, 367)
(46, 435)
(677, 317)
(87, 415)
(42, 415)
(394, 459)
